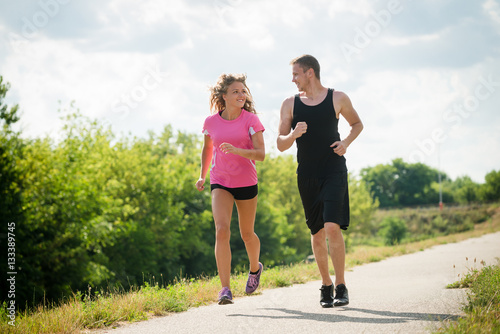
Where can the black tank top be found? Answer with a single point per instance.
(315, 157)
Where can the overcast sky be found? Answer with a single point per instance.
(421, 74)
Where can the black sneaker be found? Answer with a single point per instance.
(341, 296)
(326, 296)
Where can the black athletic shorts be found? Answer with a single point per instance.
(325, 200)
(240, 193)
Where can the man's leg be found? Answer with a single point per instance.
(320, 250)
(337, 250)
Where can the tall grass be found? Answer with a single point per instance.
(483, 307)
(101, 309)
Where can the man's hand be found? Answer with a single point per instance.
(299, 130)
(339, 147)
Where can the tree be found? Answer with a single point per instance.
(382, 182)
(10, 189)
(402, 184)
(362, 207)
(490, 191)
(466, 190)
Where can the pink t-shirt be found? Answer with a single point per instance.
(231, 170)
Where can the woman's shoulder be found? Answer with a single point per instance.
(250, 115)
(212, 117)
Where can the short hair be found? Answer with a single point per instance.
(306, 62)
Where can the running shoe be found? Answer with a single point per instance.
(225, 296)
(341, 295)
(253, 280)
(326, 296)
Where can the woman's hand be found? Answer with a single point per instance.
(200, 184)
(228, 148)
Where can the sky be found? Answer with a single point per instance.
(424, 76)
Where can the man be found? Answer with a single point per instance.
(310, 119)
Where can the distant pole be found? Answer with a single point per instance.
(439, 177)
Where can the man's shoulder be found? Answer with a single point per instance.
(340, 98)
(338, 94)
(288, 102)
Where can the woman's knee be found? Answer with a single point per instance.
(248, 236)
(222, 232)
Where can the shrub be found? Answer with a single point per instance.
(393, 230)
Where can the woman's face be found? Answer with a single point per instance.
(236, 95)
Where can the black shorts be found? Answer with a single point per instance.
(240, 193)
(325, 200)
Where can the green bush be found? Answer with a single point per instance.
(393, 230)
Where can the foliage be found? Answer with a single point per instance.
(430, 222)
(402, 184)
(393, 230)
(466, 191)
(483, 307)
(11, 147)
(490, 191)
(363, 207)
(103, 308)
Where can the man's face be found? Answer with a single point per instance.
(299, 77)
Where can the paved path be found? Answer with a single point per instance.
(403, 294)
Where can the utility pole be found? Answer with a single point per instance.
(439, 178)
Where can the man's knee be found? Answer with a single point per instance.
(319, 237)
(332, 228)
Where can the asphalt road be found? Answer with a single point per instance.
(403, 294)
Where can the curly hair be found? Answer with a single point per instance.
(217, 102)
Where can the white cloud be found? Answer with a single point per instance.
(492, 9)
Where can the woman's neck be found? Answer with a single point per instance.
(231, 113)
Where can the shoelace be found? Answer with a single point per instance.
(340, 292)
(252, 280)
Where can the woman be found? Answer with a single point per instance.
(233, 140)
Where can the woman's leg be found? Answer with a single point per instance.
(222, 209)
(246, 216)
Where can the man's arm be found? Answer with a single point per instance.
(343, 106)
(286, 137)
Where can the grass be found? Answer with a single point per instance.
(482, 313)
(104, 309)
